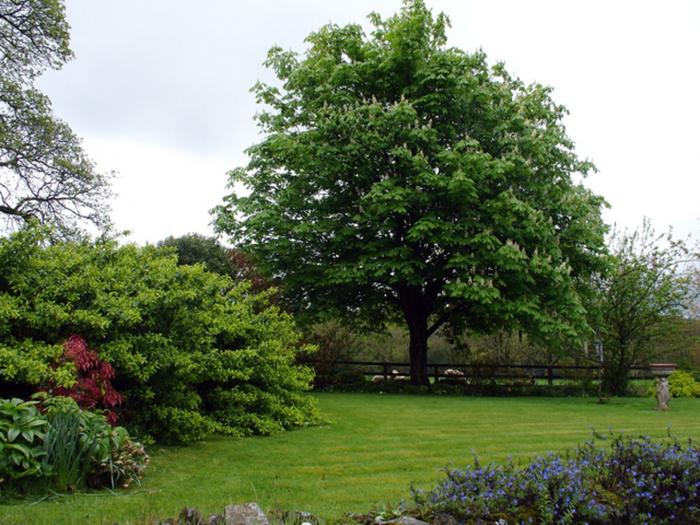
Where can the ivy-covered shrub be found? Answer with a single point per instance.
(634, 482)
(194, 351)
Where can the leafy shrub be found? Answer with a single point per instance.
(93, 387)
(120, 460)
(635, 482)
(683, 384)
(22, 431)
(193, 351)
(334, 342)
(176, 425)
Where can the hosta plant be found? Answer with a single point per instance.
(22, 431)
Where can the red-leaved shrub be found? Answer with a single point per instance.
(93, 389)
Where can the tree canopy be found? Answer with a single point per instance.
(45, 175)
(194, 248)
(399, 178)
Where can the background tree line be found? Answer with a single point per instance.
(644, 311)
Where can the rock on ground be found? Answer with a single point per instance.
(405, 520)
(247, 514)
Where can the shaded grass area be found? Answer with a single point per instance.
(374, 448)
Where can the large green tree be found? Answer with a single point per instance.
(45, 175)
(401, 178)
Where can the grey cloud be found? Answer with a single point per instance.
(175, 72)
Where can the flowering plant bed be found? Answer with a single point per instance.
(633, 482)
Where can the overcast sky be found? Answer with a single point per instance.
(159, 91)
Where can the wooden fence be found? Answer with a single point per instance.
(388, 369)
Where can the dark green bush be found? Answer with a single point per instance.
(194, 351)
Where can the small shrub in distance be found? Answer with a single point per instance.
(492, 388)
(682, 384)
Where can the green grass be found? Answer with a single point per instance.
(375, 447)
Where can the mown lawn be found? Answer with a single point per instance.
(370, 453)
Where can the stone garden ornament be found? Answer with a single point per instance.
(661, 371)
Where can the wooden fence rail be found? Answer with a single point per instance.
(390, 369)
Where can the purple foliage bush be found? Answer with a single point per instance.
(635, 481)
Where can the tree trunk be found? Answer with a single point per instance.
(615, 376)
(416, 310)
(615, 380)
(418, 352)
